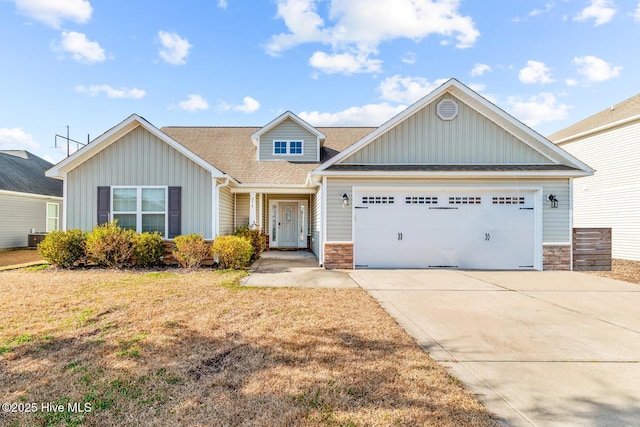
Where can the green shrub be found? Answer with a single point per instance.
(110, 245)
(256, 237)
(63, 248)
(232, 251)
(191, 250)
(148, 249)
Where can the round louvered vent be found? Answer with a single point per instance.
(447, 109)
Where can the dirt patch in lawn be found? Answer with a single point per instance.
(622, 269)
(18, 256)
(174, 348)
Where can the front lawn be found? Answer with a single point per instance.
(176, 348)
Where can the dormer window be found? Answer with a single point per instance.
(287, 148)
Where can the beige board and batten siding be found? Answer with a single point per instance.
(19, 213)
(140, 158)
(609, 198)
(555, 221)
(225, 211)
(289, 130)
(423, 138)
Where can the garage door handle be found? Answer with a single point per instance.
(487, 236)
(399, 236)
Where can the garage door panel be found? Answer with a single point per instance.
(421, 229)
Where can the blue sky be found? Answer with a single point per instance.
(89, 64)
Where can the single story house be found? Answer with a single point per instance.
(451, 182)
(609, 141)
(29, 201)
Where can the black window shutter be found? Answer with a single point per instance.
(104, 204)
(175, 212)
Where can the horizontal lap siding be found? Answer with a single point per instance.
(424, 138)
(609, 198)
(225, 207)
(19, 214)
(242, 209)
(140, 158)
(555, 220)
(289, 130)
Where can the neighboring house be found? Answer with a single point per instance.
(453, 181)
(29, 201)
(609, 141)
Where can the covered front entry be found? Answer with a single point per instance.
(288, 221)
(437, 228)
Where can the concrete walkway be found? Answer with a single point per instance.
(539, 348)
(294, 269)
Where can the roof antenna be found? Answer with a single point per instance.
(69, 141)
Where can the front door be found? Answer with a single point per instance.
(288, 225)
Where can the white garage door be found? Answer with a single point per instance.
(444, 229)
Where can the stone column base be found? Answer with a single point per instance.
(338, 255)
(556, 257)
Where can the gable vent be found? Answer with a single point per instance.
(447, 109)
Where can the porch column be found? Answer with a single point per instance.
(252, 211)
(260, 211)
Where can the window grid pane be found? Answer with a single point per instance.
(280, 147)
(153, 199)
(124, 199)
(126, 221)
(153, 222)
(52, 210)
(295, 147)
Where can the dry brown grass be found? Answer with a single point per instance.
(19, 256)
(622, 269)
(194, 349)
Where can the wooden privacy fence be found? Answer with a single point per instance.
(592, 249)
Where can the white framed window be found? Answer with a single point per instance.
(53, 216)
(287, 148)
(279, 147)
(140, 208)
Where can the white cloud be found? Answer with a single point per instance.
(367, 115)
(535, 72)
(249, 105)
(344, 63)
(17, 139)
(596, 69)
(222, 4)
(54, 12)
(409, 58)
(361, 25)
(194, 103)
(406, 89)
(548, 7)
(111, 92)
(601, 11)
(537, 109)
(480, 69)
(571, 82)
(636, 13)
(174, 48)
(477, 87)
(80, 48)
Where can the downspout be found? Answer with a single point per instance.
(65, 211)
(216, 202)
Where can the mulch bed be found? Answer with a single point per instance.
(622, 269)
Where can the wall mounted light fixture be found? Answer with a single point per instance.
(345, 199)
(554, 201)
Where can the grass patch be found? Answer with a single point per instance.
(167, 348)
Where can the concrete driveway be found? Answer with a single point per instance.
(538, 348)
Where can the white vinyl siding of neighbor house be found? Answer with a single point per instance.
(609, 198)
(288, 131)
(555, 221)
(423, 138)
(141, 159)
(19, 213)
(225, 207)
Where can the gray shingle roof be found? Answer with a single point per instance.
(627, 108)
(231, 150)
(23, 172)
